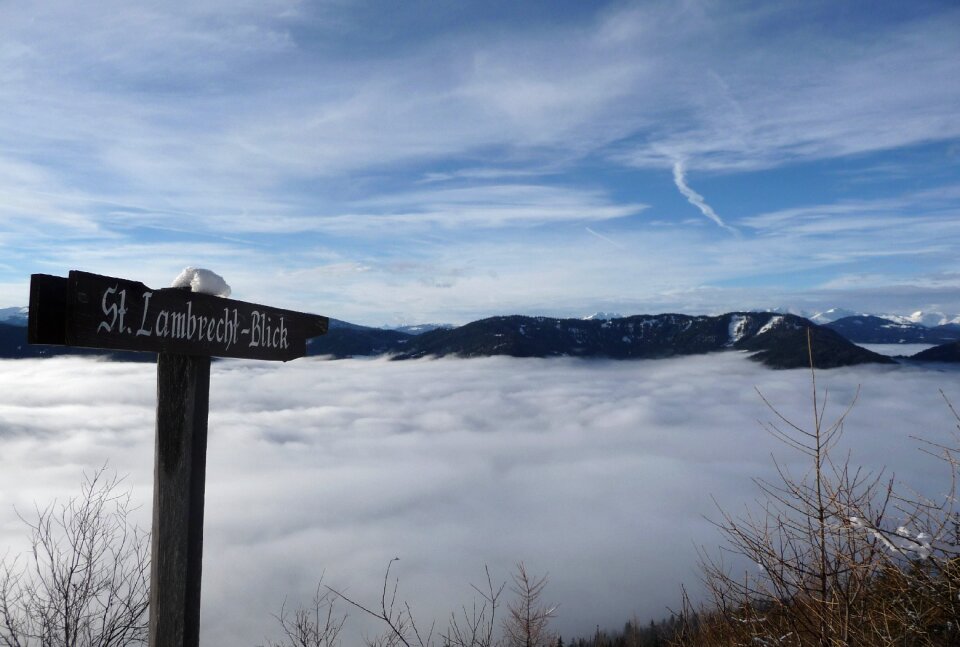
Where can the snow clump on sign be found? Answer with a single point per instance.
(203, 281)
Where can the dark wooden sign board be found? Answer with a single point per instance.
(185, 329)
(96, 311)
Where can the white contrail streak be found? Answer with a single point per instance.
(604, 238)
(694, 198)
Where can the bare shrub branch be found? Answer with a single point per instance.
(527, 619)
(832, 566)
(314, 625)
(473, 626)
(85, 582)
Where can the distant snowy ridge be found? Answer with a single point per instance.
(603, 316)
(419, 329)
(929, 319)
(925, 318)
(14, 316)
(831, 315)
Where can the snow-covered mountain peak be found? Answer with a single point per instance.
(931, 319)
(787, 310)
(16, 316)
(831, 315)
(603, 316)
(925, 318)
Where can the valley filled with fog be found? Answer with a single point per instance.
(600, 473)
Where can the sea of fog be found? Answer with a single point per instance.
(599, 473)
(893, 350)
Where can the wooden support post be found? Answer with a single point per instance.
(183, 395)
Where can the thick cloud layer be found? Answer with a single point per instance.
(597, 472)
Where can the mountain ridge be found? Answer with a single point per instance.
(870, 329)
(777, 340)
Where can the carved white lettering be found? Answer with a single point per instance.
(115, 312)
(191, 320)
(211, 331)
(179, 325)
(164, 330)
(110, 312)
(231, 328)
(255, 330)
(210, 326)
(145, 332)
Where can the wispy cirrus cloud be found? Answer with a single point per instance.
(809, 95)
(914, 214)
(493, 205)
(457, 94)
(277, 129)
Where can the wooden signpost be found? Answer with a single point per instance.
(185, 329)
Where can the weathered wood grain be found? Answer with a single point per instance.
(183, 387)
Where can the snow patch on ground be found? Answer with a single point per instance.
(770, 325)
(603, 316)
(202, 281)
(737, 329)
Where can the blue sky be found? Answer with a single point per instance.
(393, 163)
